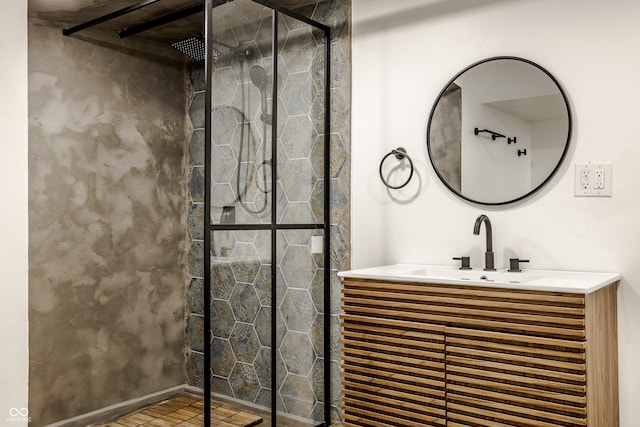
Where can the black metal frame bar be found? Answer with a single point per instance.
(136, 29)
(208, 108)
(165, 19)
(107, 17)
(274, 217)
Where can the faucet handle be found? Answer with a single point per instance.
(514, 264)
(465, 262)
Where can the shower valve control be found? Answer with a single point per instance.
(593, 179)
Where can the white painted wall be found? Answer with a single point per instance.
(14, 352)
(403, 58)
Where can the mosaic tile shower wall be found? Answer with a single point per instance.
(241, 260)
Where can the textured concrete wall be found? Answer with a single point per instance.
(107, 221)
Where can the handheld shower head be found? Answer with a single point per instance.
(260, 79)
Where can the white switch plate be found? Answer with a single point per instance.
(316, 244)
(593, 179)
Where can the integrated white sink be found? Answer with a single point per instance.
(547, 280)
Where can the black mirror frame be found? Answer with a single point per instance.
(560, 160)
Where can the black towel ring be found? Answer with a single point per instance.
(400, 154)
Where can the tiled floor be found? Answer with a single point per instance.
(186, 411)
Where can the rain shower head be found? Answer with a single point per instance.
(195, 48)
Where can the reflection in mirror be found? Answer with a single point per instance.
(499, 130)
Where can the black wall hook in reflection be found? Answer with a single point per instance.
(522, 152)
(494, 135)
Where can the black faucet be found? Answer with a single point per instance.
(488, 255)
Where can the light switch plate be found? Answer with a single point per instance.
(593, 179)
(316, 244)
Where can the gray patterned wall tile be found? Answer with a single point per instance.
(223, 196)
(195, 296)
(297, 353)
(316, 334)
(339, 250)
(245, 262)
(222, 280)
(222, 244)
(223, 163)
(244, 303)
(340, 67)
(298, 180)
(317, 379)
(340, 112)
(297, 395)
(222, 319)
(264, 398)
(244, 382)
(195, 332)
(297, 51)
(194, 221)
(262, 325)
(318, 412)
(193, 367)
(335, 14)
(298, 93)
(195, 259)
(244, 342)
(196, 184)
(298, 310)
(298, 213)
(263, 285)
(196, 110)
(262, 366)
(316, 201)
(317, 114)
(197, 76)
(298, 137)
(223, 87)
(221, 385)
(317, 68)
(224, 121)
(298, 267)
(196, 147)
(222, 359)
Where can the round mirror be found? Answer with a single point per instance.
(499, 130)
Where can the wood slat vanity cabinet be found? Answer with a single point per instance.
(419, 354)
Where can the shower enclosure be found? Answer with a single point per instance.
(266, 210)
(258, 329)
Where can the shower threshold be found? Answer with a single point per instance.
(186, 411)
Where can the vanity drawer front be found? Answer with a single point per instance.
(539, 313)
(394, 372)
(497, 379)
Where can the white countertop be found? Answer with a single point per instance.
(539, 280)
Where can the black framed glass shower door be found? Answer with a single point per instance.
(267, 201)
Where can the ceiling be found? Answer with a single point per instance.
(73, 12)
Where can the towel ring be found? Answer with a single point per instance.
(400, 154)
